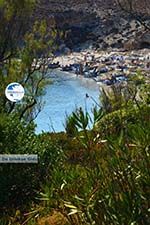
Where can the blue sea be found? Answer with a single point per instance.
(64, 95)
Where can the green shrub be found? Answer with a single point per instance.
(114, 191)
(19, 182)
(115, 121)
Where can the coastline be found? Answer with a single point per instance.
(77, 57)
(106, 67)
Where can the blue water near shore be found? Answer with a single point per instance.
(64, 95)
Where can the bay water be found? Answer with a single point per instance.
(66, 93)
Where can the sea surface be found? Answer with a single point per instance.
(63, 96)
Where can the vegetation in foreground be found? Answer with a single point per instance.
(97, 176)
(84, 176)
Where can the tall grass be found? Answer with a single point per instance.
(108, 181)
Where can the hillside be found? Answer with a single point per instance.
(102, 23)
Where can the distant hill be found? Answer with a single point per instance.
(103, 23)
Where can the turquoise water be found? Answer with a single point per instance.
(67, 92)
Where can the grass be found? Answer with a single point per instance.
(99, 176)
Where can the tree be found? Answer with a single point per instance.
(14, 17)
(26, 48)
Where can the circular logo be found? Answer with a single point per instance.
(14, 92)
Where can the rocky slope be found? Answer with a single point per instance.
(98, 23)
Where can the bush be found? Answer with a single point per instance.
(114, 191)
(19, 182)
(115, 121)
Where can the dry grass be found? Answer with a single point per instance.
(55, 219)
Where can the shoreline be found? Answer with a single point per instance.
(77, 57)
(79, 76)
(105, 67)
